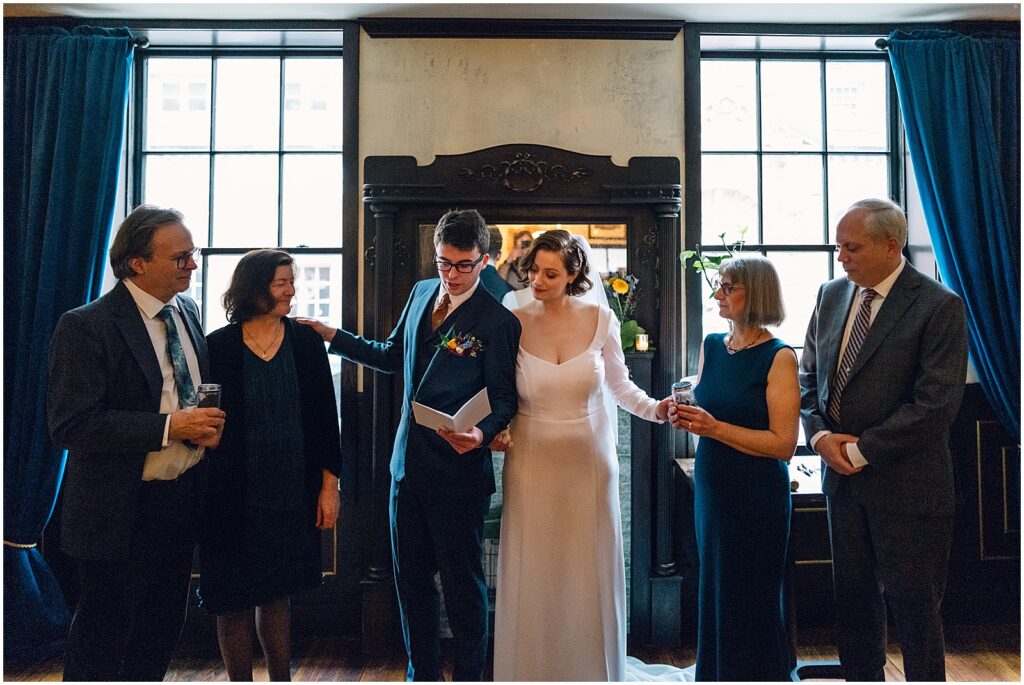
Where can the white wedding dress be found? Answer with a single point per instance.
(561, 591)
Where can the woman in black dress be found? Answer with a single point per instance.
(274, 478)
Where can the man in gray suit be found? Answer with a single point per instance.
(123, 375)
(881, 378)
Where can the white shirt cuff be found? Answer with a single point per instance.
(855, 456)
(816, 437)
(167, 432)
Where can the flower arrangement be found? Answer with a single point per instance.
(622, 297)
(461, 345)
(708, 265)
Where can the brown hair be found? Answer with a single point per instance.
(574, 258)
(248, 295)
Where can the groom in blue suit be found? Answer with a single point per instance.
(442, 481)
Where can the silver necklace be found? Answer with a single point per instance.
(729, 347)
(264, 351)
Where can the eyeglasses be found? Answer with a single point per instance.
(444, 266)
(726, 288)
(182, 260)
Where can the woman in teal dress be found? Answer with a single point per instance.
(748, 406)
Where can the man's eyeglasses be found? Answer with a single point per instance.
(726, 288)
(183, 259)
(444, 266)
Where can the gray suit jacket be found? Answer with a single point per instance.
(104, 408)
(902, 395)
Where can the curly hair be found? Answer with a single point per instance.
(574, 258)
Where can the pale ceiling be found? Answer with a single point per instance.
(865, 13)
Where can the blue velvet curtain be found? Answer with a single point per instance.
(961, 109)
(64, 105)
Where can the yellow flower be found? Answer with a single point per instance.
(620, 286)
(452, 344)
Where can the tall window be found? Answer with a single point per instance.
(789, 139)
(249, 148)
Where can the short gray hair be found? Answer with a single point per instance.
(883, 219)
(135, 236)
(764, 292)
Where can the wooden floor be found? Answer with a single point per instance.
(976, 653)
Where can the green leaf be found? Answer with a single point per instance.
(628, 334)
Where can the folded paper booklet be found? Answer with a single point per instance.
(465, 418)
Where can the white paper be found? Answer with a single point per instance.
(478, 407)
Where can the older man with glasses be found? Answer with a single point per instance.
(452, 340)
(122, 396)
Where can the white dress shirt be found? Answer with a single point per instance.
(882, 289)
(455, 300)
(175, 458)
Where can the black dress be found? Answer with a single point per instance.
(259, 541)
(742, 514)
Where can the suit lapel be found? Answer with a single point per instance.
(422, 303)
(894, 306)
(835, 329)
(195, 333)
(460, 321)
(129, 321)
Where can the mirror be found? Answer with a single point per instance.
(608, 242)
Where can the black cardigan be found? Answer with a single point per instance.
(226, 496)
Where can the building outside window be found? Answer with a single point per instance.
(789, 138)
(249, 148)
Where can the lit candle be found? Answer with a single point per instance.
(641, 342)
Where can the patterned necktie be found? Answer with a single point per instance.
(440, 311)
(860, 331)
(182, 378)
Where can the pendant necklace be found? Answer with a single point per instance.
(264, 351)
(730, 350)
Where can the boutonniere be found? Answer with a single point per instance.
(461, 345)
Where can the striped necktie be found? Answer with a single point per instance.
(182, 377)
(860, 331)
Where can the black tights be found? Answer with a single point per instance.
(273, 628)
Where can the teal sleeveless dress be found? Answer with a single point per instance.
(742, 513)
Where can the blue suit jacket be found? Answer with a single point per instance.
(104, 408)
(902, 395)
(420, 457)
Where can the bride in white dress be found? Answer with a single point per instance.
(561, 605)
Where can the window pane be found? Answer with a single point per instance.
(801, 273)
(728, 106)
(182, 182)
(171, 122)
(318, 295)
(793, 199)
(219, 268)
(728, 198)
(248, 102)
(245, 201)
(852, 178)
(790, 105)
(312, 116)
(856, 106)
(312, 200)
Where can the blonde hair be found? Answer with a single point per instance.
(764, 292)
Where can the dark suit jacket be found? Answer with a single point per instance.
(226, 499)
(104, 408)
(495, 284)
(432, 466)
(902, 394)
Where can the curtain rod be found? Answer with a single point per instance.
(141, 41)
(882, 44)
